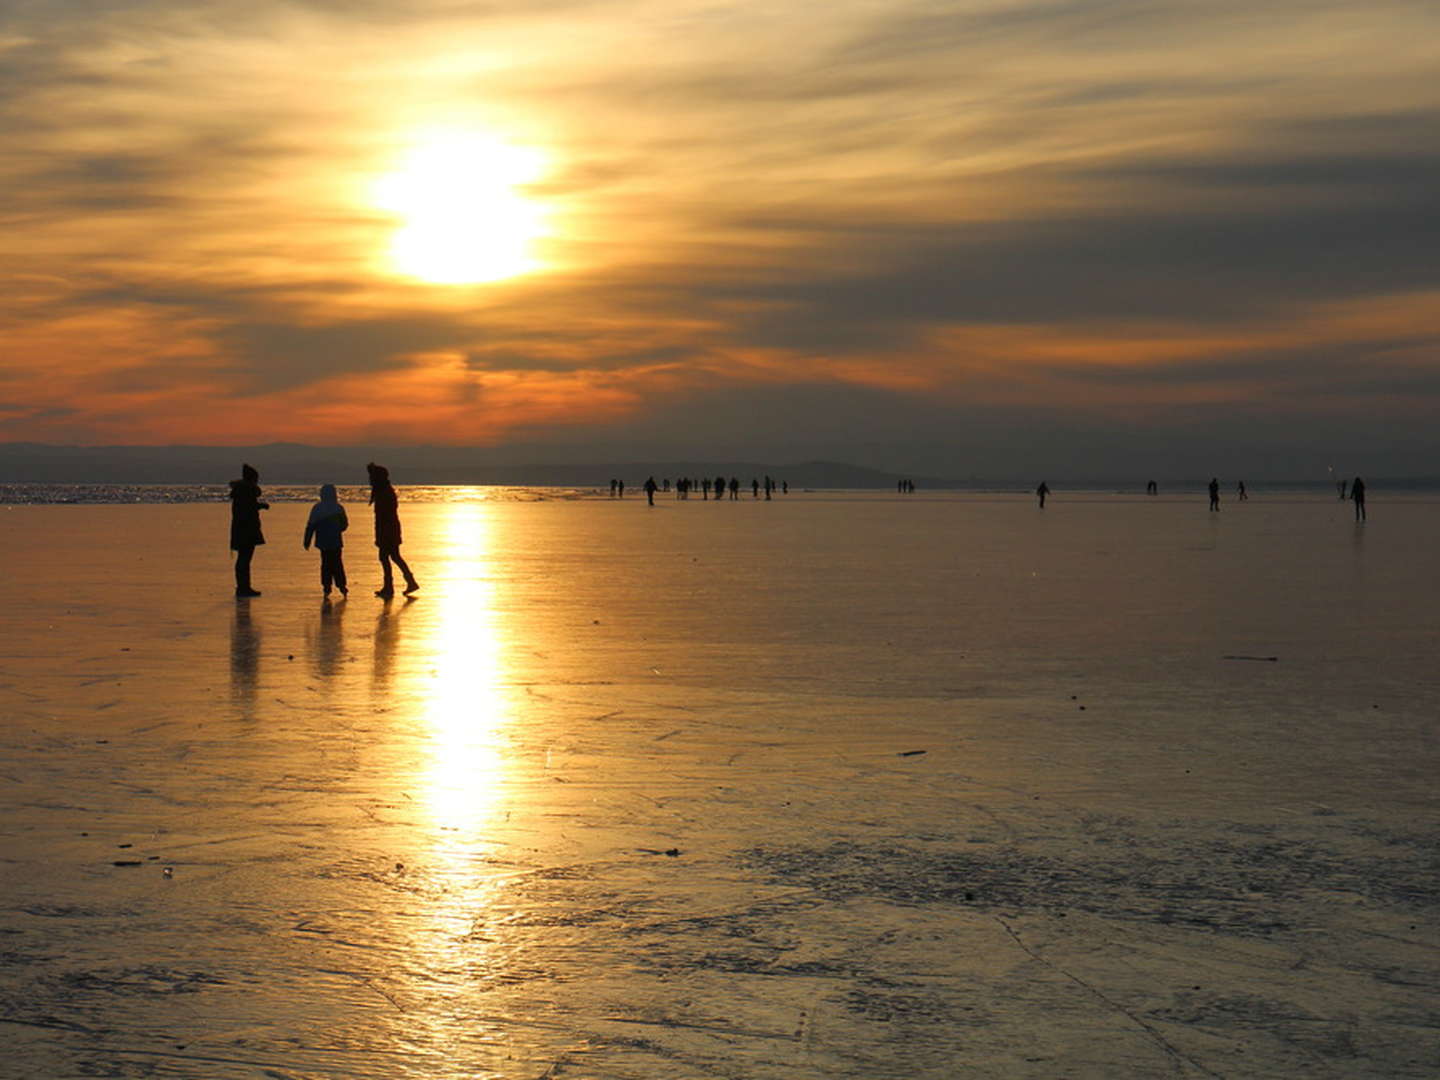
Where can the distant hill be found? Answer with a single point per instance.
(293, 463)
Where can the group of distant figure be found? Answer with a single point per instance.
(325, 527)
(719, 485)
(1356, 495)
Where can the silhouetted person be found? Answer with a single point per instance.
(705, 490)
(665, 485)
(754, 488)
(719, 488)
(1357, 496)
(734, 487)
(784, 487)
(650, 488)
(1214, 494)
(769, 487)
(1240, 492)
(387, 531)
(1041, 492)
(1152, 488)
(325, 526)
(245, 534)
(620, 488)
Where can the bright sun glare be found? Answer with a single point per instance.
(464, 216)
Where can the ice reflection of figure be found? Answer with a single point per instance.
(245, 534)
(1357, 496)
(387, 531)
(327, 641)
(244, 660)
(387, 637)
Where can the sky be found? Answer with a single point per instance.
(968, 237)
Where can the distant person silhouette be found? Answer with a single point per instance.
(1214, 494)
(1152, 488)
(620, 488)
(754, 488)
(705, 489)
(784, 487)
(387, 531)
(1341, 486)
(1041, 492)
(325, 526)
(1240, 492)
(734, 487)
(769, 487)
(1357, 496)
(245, 534)
(719, 488)
(650, 488)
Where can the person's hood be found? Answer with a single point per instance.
(327, 494)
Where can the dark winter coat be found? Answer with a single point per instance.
(245, 507)
(387, 516)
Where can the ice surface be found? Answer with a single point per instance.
(633, 792)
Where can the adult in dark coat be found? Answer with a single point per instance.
(245, 534)
(387, 531)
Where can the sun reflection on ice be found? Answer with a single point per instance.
(466, 710)
(461, 787)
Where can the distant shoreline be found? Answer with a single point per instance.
(78, 494)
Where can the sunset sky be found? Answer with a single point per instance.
(912, 234)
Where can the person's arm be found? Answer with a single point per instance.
(309, 533)
(344, 520)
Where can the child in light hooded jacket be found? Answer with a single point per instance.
(327, 523)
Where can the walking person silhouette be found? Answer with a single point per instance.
(387, 531)
(326, 524)
(1357, 496)
(245, 534)
(1041, 492)
(1214, 494)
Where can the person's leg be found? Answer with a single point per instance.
(325, 572)
(338, 571)
(243, 556)
(387, 588)
(410, 583)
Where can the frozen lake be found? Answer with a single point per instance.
(831, 786)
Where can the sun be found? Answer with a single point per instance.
(463, 213)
